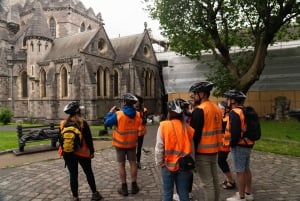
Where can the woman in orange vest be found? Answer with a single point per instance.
(174, 140)
(224, 151)
(83, 155)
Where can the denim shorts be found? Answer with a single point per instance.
(241, 158)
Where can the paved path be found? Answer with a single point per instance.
(275, 177)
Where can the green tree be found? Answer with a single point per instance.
(221, 26)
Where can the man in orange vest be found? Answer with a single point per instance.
(127, 122)
(83, 155)
(207, 121)
(240, 147)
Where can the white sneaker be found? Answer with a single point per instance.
(249, 197)
(176, 197)
(235, 198)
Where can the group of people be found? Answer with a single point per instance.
(128, 137)
(206, 133)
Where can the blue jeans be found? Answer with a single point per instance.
(181, 180)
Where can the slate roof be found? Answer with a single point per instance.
(69, 46)
(281, 72)
(38, 26)
(126, 47)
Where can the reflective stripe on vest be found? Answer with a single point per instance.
(242, 141)
(177, 140)
(126, 132)
(211, 138)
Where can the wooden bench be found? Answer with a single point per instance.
(37, 133)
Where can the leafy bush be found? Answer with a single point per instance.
(5, 116)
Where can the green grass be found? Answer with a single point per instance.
(9, 139)
(281, 137)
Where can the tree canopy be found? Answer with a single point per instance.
(236, 32)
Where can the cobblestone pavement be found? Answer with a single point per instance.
(275, 177)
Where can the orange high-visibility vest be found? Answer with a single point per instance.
(143, 128)
(211, 138)
(177, 138)
(126, 132)
(84, 150)
(226, 137)
(243, 141)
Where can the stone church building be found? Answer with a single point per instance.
(56, 51)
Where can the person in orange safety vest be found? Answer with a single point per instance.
(207, 121)
(127, 122)
(83, 155)
(174, 140)
(240, 147)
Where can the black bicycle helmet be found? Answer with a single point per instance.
(203, 86)
(129, 99)
(72, 108)
(235, 94)
(175, 106)
(183, 103)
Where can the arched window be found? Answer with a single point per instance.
(116, 83)
(145, 83)
(152, 84)
(148, 84)
(24, 85)
(106, 83)
(82, 27)
(89, 27)
(64, 82)
(99, 81)
(52, 24)
(32, 47)
(43, 83)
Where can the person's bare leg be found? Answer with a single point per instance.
(122, 172)
(241, 183)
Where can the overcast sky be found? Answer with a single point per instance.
(123, 17)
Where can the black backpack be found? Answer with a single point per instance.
(253, 131)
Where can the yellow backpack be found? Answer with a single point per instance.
(71, 137)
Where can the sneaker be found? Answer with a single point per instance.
(249, 197)
(76, 199)
(139, 166)
(134, 188)
(190, 195)
(175, 197)
(235, 198)
(123, 190)
(96, 196)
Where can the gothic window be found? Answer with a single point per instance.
(24, 88)
(152, 84)
(82, 27)
(145, 83)
(116, 83)
(64, 82)
(31, 45)
(148, 84)
(102, 45)
(106, 83)
(43, 83)
(39, 45)
(89, 27)
(99, 80)
(52, 27)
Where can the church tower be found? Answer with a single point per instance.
(38, 42)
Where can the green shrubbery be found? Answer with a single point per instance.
(5, 115)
